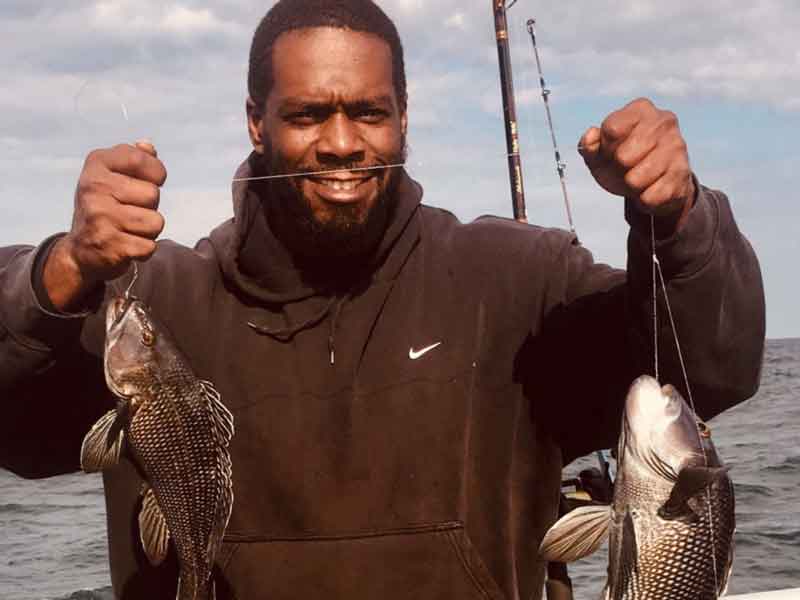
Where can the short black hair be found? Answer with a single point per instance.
(290, 15)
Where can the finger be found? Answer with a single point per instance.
(635, 149)
(141, 222)
(667, 194)
(589, 148)
(648, 170)
(590, 141)
(135, 247)
(135, 192)
(146, 146)
(134, 162)
(617, 126)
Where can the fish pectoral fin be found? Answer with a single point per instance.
(691, 481)
(629, 549)
(153, 530)
(102, 446)
(577, 534)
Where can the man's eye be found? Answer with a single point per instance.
(371, 115)
(302, 117)
(308, 116)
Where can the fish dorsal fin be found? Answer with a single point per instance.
(153, 530)
(223, 425)
(102, 446)
(691, 481)
(577, 534)
(223, 419)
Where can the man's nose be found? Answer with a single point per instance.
(340, 141)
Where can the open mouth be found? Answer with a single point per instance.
(342, 188)
(340, 185)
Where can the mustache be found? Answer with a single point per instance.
(305, 171)
(340, 167)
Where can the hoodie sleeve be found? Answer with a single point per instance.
(598, 335)
(51, 385)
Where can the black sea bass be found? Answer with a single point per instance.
(671, 523)
(176, 429)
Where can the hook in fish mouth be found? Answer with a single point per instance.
(117, 309)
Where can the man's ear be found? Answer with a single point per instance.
(404, 122)
(255, 119)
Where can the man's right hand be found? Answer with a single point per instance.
(115, 221)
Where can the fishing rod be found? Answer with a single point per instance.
(561, 166)
(509, 110)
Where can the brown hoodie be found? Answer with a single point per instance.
(405, 438)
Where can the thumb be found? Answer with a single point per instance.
(146, 146)
(589, 146)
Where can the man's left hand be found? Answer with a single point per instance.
(638, 152)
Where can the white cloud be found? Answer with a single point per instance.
(129, 17)
(456, 21)
(180, 68)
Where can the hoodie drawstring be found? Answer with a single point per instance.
(332, 332)
(286, 334)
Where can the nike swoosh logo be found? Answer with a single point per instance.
(415, 354)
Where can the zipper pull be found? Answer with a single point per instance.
(330, 349)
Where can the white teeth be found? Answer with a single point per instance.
(339, 185)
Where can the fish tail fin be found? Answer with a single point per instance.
(187, 587)
(192, 587)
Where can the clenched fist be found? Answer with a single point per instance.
(115, 221)
(638, 152)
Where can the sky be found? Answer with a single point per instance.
(83, 74)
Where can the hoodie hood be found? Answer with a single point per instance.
(259, 265)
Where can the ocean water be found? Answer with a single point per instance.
(52, 532)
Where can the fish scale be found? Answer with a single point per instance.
(178, 432)
(675, 558)
(174, 417)
(671, 522)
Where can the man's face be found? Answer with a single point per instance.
(332, 107)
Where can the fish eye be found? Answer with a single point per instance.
(148, 337)
(705, 430)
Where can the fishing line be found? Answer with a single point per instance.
(561, 166)
(103, 97)
(657, 269)
(326, 172)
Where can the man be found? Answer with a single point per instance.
(406, 389)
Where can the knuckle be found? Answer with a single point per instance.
(135, 158)
(633, 179)
(625, 156)
(643, 102)
(669, 117)
(92, 157)
(611, 126)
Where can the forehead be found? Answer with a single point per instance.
(331, 63)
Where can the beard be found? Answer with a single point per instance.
(344, 242)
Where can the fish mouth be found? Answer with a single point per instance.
(116, 315)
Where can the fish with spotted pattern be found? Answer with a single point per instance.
(176, 430)
(671, 523)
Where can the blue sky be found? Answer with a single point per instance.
(732, 74)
